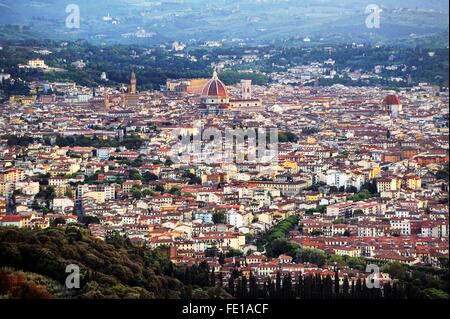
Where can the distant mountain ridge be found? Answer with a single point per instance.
(139, 21)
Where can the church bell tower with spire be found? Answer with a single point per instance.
(133, 83)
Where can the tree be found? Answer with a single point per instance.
(199, 294)
(253, 287)
(316, 233)
(345, 288)
(358, 288)
(443, 173)
(244, 289)
(233, 253)
(299, 292)
(287, 286)
(311, 255)
(358, 212)
(175, 191)
(327, 291)
(219, 218)
(231, 289)
(136, 194)
(336, 284)
(134, 175)
(87, 220)
(147, 192)
(396, 270)
(308, 293)
(148, 176)
(221, 259)
(351, 189)
(270, 289)
(278, 285)
(58, 221)
(281, 247)
(211, 252)
(220, 280)
(285, 137)
(168, 162)
(433, 293)
(212, 281)
(50, 193)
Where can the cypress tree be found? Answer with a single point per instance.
(187, 276)
(278, 285)
(265, 292)
(345, 288)
(336, 285)
(244, 287)
(358, 291)
(221, 259)
(366, 293)
(231, 289)
(271, 289)
(321, 286)
(376, 293)
(287, 286)
(299, 287)
(395, 291)
(212, 280)
(328, 287)
(187, 292)
(387, 291)
(239, 293)
(308, 287)
(317, 288)
(253, 287)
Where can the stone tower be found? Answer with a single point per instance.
(133, 83)
(107, 105)
(246, 89)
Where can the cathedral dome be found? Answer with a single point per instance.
(215, 88)
(392, 100)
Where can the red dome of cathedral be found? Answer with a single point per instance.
(215, 88)
(392, 100)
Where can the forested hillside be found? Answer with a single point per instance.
(34, 265)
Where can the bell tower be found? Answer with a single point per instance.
(106, 101)
(133, 83)
(246, 89)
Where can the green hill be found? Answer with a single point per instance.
(37, 259)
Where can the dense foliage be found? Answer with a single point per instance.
(311, 287)
(113, 269)
(154, 66)
(130, 141)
